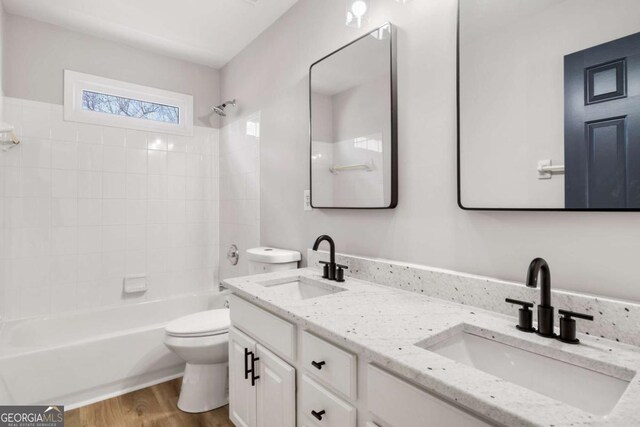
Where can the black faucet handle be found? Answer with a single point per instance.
(524, 304)
(325, 269)
(340, 272)
(525, 315)
(568, 325)
(569, 314)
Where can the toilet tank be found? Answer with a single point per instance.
(266, 260)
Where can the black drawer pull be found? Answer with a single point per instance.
(318, 415)
(318, 365)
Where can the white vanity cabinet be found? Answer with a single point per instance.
(242, 395)
(302, 379)
(331, 365)
(400, 404)
(262, 386)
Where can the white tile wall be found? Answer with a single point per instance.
(81, 206)
(239, 191)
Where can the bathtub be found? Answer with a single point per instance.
(82, 357)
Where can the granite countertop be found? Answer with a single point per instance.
(384, 324)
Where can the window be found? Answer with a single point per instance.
(98, 100)
(128, 107)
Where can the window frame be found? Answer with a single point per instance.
(75, 83)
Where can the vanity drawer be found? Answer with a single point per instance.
(313, 397)
(400, 404)
(276, 334)
(330, 364)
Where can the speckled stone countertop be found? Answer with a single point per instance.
(384, 324)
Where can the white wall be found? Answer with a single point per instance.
(36, 54)
(590, 252)
(86, 205)
(512, 75)
(239, 191)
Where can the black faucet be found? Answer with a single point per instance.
(331, 270)
(539, 267)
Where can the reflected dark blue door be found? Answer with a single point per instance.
(602, 126)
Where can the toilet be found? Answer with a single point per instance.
(202, 340)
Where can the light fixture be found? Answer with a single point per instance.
(358, 12)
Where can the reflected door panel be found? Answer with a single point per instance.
(602, 126)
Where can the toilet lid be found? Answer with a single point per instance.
(211, 322)
(272, 255)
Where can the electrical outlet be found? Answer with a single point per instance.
(307, 200)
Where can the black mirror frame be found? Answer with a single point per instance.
(394, 122)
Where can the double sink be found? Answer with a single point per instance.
(517, 361)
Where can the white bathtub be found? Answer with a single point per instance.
(79, 358)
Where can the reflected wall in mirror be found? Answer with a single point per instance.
(353, 129)
(549, 104)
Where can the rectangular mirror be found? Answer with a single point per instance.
(353, 125)
(549, 104)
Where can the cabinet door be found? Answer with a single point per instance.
(242, 395)
(276, 391)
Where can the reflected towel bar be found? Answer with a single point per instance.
(546, 169)
(369, 166)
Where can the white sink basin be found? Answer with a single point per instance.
(301, 288)
(591, 391)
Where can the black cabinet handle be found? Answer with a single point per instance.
(251, 370)
(318, 365)
(246, 363)
(318, 415)
(254, 377)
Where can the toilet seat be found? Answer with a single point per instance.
(202, 324)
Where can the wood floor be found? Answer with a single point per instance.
(150, 407)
